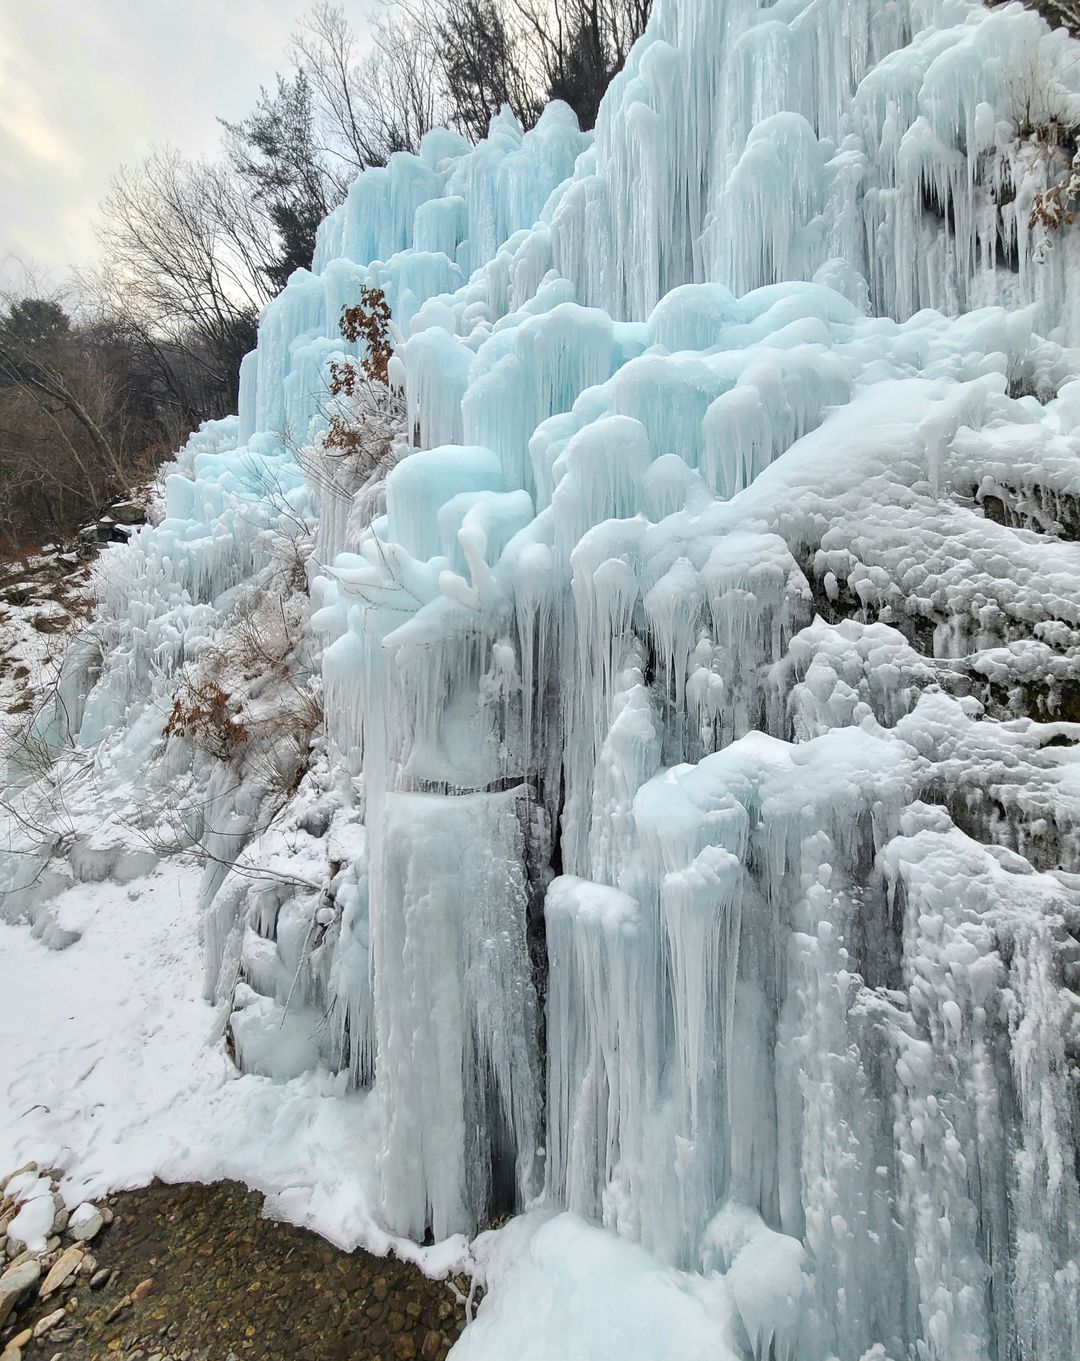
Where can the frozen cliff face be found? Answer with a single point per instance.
(694, 837)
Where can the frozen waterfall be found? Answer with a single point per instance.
(699, 807)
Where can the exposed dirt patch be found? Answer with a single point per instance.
(224, 1281)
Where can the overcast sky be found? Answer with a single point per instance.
(86, 85)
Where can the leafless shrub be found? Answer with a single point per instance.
(207, 716)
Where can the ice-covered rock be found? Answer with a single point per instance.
(691, 834)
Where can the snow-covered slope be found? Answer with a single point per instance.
(692, 841)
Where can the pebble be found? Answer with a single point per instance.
(143, 1288)
(11, 1353)
(101, 1277)
(118, 1308)
(61, 1217)
(42, 1326)
(64, 1267)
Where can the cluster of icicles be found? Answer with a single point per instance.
(659, 913)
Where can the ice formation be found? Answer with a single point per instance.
(692, 842)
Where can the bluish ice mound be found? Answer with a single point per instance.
(700, 656)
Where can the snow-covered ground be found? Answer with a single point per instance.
(112, 1067)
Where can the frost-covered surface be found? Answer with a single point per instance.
(690, 842)
(111, 1071)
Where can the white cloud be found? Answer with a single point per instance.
(85, 88)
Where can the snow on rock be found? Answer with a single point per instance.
(85, 1221)
(652, 780)
(33, 1222)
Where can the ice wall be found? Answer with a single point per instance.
(703, 674)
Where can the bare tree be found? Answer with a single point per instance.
(579, 45)
(186, 252)
(403, 80)
(66, 439)
(375, 102)
(486, 63)
(1057, 13)
(42, 356)
(521, 53)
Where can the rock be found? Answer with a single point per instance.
(26, 1167)
(101, 1277)
(42, 1326)
(52, 1242)
(21, 593)
(88, 1266)
(61, 1217)
(379, 1288)
(127, 513)
(429, 1350)
(65, 1266)
(118, 1308)
(21, 1339)
(86, 1221)
(11, 1353)
(142, 1289)
(14, 1282)
(106, 1215)
(404, 1347)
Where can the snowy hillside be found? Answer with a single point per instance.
(655, 775)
